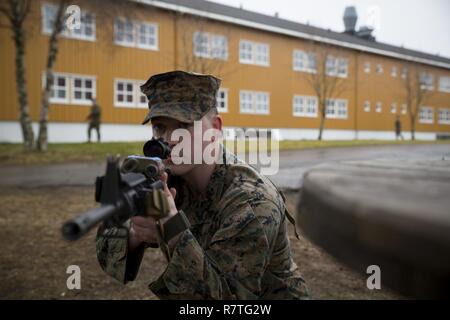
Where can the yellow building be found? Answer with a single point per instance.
(266, 65)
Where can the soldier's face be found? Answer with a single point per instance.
(165, 128)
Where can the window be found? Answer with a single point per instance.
(83, 89)
(336, 108)
(444, 116)
(127, 93)
(393, 107)
(367, 67)
(222, 100)
(137, 34)
(404, 72)
(254, 53)
(404, 109)
(124, 32)
(86, 31)
(303, 61)
(304, 106)
(59, 91)
(379, 68)
(366, 106)
(378, 107)
(71, 89)
(444, 84)
(147, 35)
(208, 45)
(394, 71)
(426, 115)
(426, 81)
(336, 66)
(254, 102)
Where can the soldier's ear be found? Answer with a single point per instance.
(216, 122)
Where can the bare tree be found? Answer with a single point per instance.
(326, 83)
(416, 92)
(108, 9)
(198, 52)
(16, 11)
(58, 26)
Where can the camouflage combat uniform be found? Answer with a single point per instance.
(94, 120)
(237, 246)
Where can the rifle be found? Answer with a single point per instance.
(124, 191)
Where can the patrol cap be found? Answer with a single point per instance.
(180, 95)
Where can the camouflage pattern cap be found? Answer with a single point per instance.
(180, 95)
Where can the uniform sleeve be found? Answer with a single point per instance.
(113, 255)
(232, 266)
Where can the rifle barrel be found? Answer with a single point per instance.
(77, 227)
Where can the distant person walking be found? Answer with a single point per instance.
(398, 128)
(94, 119)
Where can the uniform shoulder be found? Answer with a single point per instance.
(245, 185)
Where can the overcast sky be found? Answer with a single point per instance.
(416, 24)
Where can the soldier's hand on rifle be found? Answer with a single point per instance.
(143, 229)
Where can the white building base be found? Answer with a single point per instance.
(329, 134)
(59, 132)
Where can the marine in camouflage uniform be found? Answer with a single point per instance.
(237, 246)
(94, 118)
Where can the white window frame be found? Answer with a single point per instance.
(393, 107)
(123, 42)
(404, 72)
(301, 61)
(136, 34)
(213, 49)
(254, 102)
(254, 53)
(404, 109)
(379, 68)
(82, 89)
(441, 118)
(150, 25)
(223, 100)
(56, 100)
(136, 94)
(378, 107)
(333, 64)
(306, 100)
(367, 67)
(444, 84)
(366, 106)
(425, 76)
(65, 32)
(70, 88)
(394, 71)
(333, 109)
(426, 119)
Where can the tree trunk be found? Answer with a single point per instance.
(322, 122)
(413, 128)
(24, 113)
(42, 141)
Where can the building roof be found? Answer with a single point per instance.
(220, 12)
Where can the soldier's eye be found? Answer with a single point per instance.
(158, 129)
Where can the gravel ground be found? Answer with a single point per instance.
(34, 258)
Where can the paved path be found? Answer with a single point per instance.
(292, 165)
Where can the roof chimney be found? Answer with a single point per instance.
(350, 18)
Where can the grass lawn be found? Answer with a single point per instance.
(13, 154)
